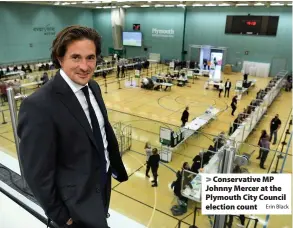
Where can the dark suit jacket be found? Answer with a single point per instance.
(226, 85)
(153, 161)
(59, 154)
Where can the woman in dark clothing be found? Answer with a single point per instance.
(263, 134)
(234, 105)
(154, 164)
(184, 117)
(196, 164)
(265, 147)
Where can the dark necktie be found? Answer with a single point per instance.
(97, 135)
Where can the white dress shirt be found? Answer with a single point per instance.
(76, 88)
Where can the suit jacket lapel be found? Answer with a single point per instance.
(68, 98)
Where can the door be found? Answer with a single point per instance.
(277, 65)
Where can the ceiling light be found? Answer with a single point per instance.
(224, 4)
(106, 7)
(181, 5)
(158, 5)
(210, 4)
(169, 5)
(126, 6)
(277, 4)
(242, 4)
(57, 3)
(99, 7)
(65, 3)
(73, 3)
(145, 6)
(85, 2)
(113, 7)
(289, 4)
(259, 4)
(197, 5)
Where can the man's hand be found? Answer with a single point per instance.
(69, 222)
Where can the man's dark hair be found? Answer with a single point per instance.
(70, 34)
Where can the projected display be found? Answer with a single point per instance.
(132, 39)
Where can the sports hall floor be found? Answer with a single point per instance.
(146, 111)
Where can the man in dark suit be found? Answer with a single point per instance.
(184, 117)
(68, 149)
(228, 85)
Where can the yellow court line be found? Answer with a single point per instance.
(155, 192)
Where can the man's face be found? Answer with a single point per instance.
(79, 61)
(277, 116)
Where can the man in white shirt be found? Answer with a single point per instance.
(221, 87)
(68, 149)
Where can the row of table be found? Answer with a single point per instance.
(188, 130)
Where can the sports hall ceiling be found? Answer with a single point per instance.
(104, 4)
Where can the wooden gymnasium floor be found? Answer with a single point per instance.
(146, 111)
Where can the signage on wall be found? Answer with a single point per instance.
(136, 27)
(163, 32)
(48, 30)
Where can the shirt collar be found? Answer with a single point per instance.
(74, 86)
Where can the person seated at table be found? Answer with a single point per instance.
(42, 67)
(249, 109)
(47, 67)
(168, 78)
(208, 155)
(219, 141)
(28, 69)
(182, 80)
(45, 78)
(7, 69)
(16, 86)
(196, 164)
(1, 72)
(236, 123)
(22, 68)
(15, 68)
(147, 83)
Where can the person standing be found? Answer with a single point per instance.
(275, 126)
(123, 71)
(148, 152)
(68, 149)
(263, 135)
(234, 105)
(228, 85)
(118, 71)
(221, 87)
(265, 147)
(154, 161)
(184, 117)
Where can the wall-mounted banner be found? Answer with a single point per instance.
(48, 30)
(231, 194)
(163, 32)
